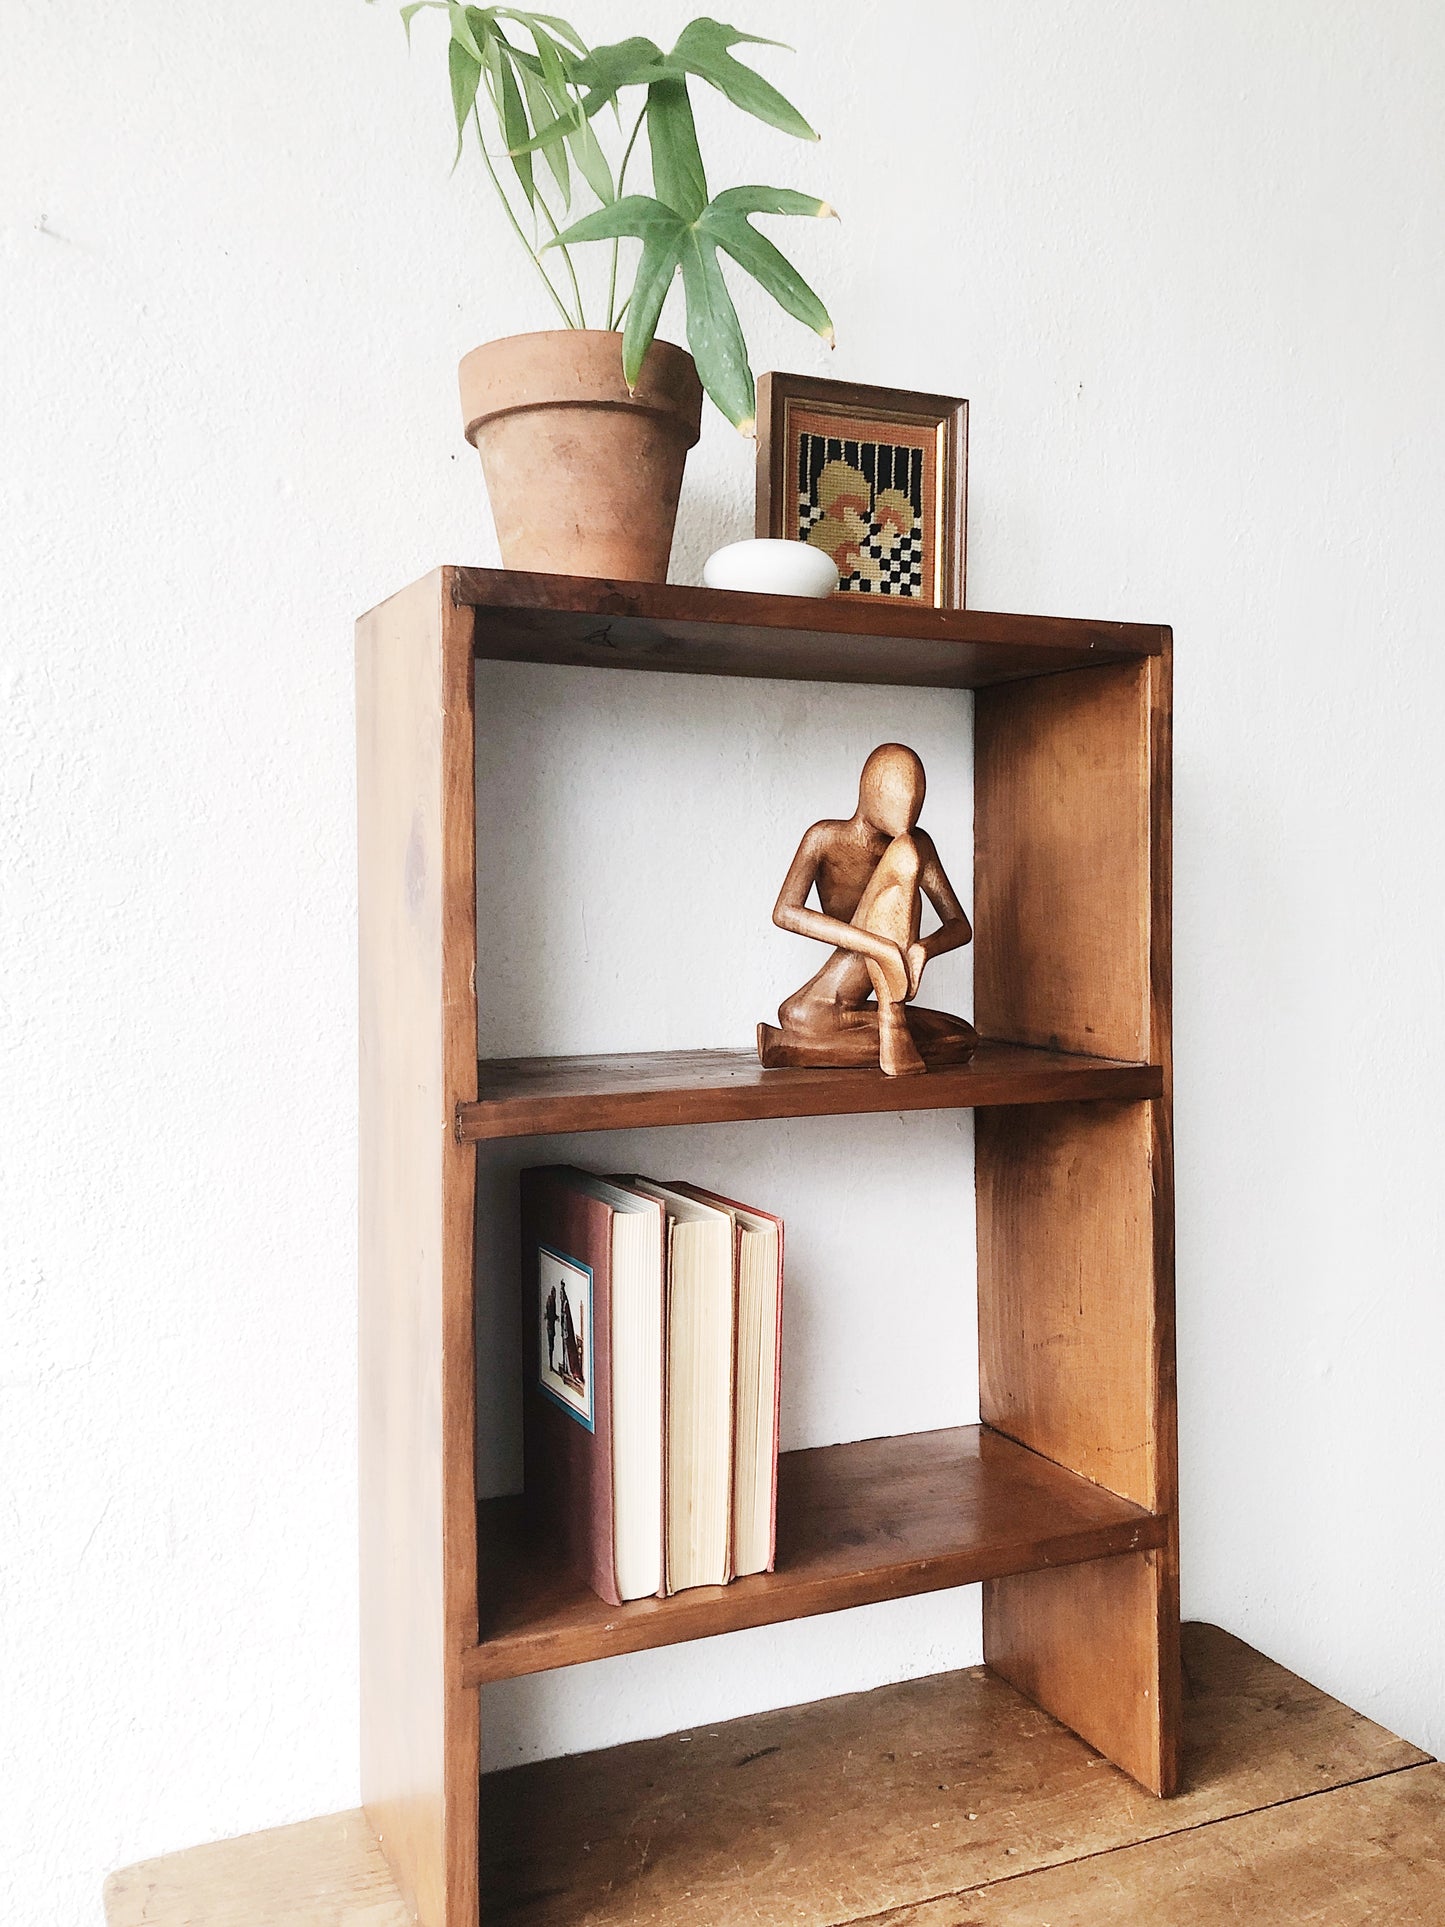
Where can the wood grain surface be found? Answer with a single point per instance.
(1370, 1855)
(1066, 1300)
(419, 1731)
(1076, 1202)
(1062, 873)
(853, 1806)
(856, 1523)
(532, 1096)
(320, 1873)
(528, 617)
(907, 1799)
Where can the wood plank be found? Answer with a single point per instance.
(420, 1738)
(1062, 874)
(1069, 1363)
(1091, 1646)
(856, 1523)
(849, 1807)
(1066, 1306)
(531, 617)
(1075, 1204)
(1371, 1855)
(533, 1096)
(319, 1873)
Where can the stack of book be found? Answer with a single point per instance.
(652, 1325)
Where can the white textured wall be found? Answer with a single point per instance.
(1186, 261)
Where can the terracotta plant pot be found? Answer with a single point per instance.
(583, 477)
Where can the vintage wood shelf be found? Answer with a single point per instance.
(710, 632)
(1064, 1502)
(856, 1523)
(528, 1096)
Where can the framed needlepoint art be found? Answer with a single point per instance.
(875, 477)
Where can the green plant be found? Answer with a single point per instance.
(548, 92)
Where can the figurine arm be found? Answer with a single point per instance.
(791, 911)
(954, 929)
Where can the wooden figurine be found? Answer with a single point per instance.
(872, 873)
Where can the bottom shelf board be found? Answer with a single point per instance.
(877, 1804)
(893, 1805)
(857, 1523)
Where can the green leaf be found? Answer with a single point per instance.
(773, 271)
(591, 161)
(702, 47)
(549, 21)
(466, 76)
(715, 336)
(772, 200)
(677, 172)
(462, 30)
(586, 149)
(624, 63)
(637, 215)
(661, 252)
(512, 113)
(602, 73)
(409, 13)
(541, 107)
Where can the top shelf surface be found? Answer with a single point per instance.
(584, 621)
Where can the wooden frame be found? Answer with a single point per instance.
(937, 424)
(1063, 1502)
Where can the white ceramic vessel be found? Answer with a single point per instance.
(769, 567)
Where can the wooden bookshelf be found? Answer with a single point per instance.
(529, 1096)
(1063, 1502)
(880, 1519)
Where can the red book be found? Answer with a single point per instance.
(592, 1351)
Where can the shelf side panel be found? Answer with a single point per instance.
(1061, 862)
(1075, 1203)
(1090, 1645)
(1066, 1318)
(419, 1729)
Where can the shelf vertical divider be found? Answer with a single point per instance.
(1076, 1202)
(420, 1726)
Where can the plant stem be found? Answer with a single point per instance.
(566, 256)
(615, 320)
(536, 259)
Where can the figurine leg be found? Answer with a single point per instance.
(890, 908)
(833, 995)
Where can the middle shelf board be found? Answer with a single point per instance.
(534, 1096)
(880, 1519)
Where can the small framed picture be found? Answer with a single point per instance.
(875, 477)
(564, 1333)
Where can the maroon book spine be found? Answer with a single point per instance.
(567, 1367)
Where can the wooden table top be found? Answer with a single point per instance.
(933, 1803)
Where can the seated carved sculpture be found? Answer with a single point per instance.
(871, 873)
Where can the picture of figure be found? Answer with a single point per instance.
(564, 1336)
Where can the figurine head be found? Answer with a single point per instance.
(890, 791)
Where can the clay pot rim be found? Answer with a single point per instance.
(571, 334)
(669, 408)
(628, 405)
